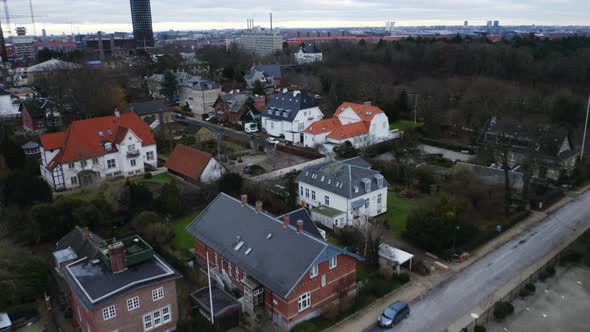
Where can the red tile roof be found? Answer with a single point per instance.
(365, 112)
(83, 141)
(323, 126)
(350, 130)
(188, 161)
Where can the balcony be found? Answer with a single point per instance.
(133, 154)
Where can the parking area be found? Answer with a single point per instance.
(559, 304)
(270, 161)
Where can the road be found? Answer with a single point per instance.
(454, 299)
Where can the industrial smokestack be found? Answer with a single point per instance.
(100, 46)
(271, 22)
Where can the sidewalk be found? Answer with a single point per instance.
(417, 288)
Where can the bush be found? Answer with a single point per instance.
(530, 287)
(570, 256)
(503, 310)
(523, 292)
(419, 267)
(479, 328)
(307, 326)
(147, 175)
(403, 278)
(387, 272)
(330, 311)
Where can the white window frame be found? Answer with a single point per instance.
(112, 162)
(304, 301)
(149, 155)
(333, 262)
(237, 273)
(306, 192)
(131, 147)
(157, 318)
(74, 180)
(379, 198)
(158, 293)
(133, 162)
(71, 165)
(133, 303)
(313, 195)
(109, 312)
(314, 271)
(327, 200)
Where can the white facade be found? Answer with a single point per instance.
(314, 197)
(124, 159)
(212, 171)
(303, 58)
(292, 131)
(199, 101)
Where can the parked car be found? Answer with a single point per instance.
(272, 140)
(179, 116)
(394, 314)
(251, 127)
(253, 169)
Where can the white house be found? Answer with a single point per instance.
(308, 53)
(288, 113)
(360, 124)
(193, 165)
(341, 193)
(98, 148)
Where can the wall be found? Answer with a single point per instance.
(287, 170)
(212, 171)
(201, 99)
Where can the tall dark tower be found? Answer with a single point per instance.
(141, 15)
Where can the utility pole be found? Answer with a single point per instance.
(415, 108)
(585, 130)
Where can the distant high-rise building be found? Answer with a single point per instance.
(23, 44)
(496, 24)
(489, 25)
(261, 43)
(466, 23)
(141, 15)
(21, 31)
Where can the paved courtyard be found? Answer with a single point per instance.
(270, 161)
(559, 304)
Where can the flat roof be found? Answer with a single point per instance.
(222, 301)
(327, 211)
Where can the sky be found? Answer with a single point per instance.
(65, 16)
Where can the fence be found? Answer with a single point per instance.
(299, 151)
(284, 171)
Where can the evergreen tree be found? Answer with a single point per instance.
(169, 85)
(14, 154)
(258, 88)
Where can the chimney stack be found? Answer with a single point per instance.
(299, 226)
(117, 257)
(258, 206)
(244, 199)
(85, 234)
(286, 221)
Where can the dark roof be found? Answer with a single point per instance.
(278, 257)
(37, 107)
(311, 48)
(343, 178)
(357, 161)
(272, 70)
(75, 240)
(150, 107)
(288, 104)
(222, 301)
(200, 84)
(236, 101)
(308, 224)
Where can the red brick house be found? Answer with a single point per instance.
(40, 114)
(237, 108)
(284, 269)
(116, 285)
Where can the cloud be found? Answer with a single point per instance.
(114, 15)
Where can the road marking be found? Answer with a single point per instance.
(579, 282)
(527, 309)
(546, 291)
(563, 297)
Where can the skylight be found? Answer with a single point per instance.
(248, 251)
(109, 132)
(268, 236)
(239, 246)
(100, 133)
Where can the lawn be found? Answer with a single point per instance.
(398, 210)
(182, 238)
(162, 179)
(404, 125)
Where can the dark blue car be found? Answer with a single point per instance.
(394, 314)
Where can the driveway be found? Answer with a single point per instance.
(476, 284)
(449, 154)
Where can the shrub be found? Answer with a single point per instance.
(523, 292)
(307, 326)
(571, 256)
(330, 311)
(550, 271)
(503, 310)
(147, 175)
(479, 328)
(530, 287)
(403, 278)
(387, 272)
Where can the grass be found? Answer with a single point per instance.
(182, 238)
(404, 125)
(398, 210)
(162, 179)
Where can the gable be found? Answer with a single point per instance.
(347, 115)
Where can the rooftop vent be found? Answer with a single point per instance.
(95, 261)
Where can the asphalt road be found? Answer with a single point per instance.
(454, 299)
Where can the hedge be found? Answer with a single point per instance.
(447, 145)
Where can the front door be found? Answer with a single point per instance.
(258, 297)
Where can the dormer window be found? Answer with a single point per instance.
(110, 132)
(379, 179)
(100, 133)
(367, 184)
(108, 147)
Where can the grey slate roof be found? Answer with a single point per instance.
(272, 70)
(311, 49)
(236, 100)
(308, 224)
(278, 261)
(343, 178)
(199, 84)
(288, 104)
(490, 175)
(150, 107)
(357, 161)
(37, 107)
(74, 240)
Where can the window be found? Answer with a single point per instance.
(379, 198)
(158, 293)
(83, 163)
(133, 303)
(327, 200)
(100, 133)
(109, 312)
(149, 155)
(307, 193)
(110, 132)
(314, 271)
(237, 273)
(229, 269)
(108, 147)
(302, 191)
(94, 161)
(157, 318)
(131, 147)
(333, 262)
(304, 301)
(366, 203)
(111, 163)
(71, 165)
(133, 162)
(313, 195)
(272, 125)
(74, 180)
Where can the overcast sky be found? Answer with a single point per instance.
(114, 15)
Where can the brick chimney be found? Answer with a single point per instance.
(299, 226)
(258, 206)
(286, 221)
(244, 199)
(117, 257)
(85, 234)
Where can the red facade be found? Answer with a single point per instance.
(223, 113)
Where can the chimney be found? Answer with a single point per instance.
(244, 199)
(117, 257)
(85, 234)
(299, 226)
(286, 221)
(258, 206)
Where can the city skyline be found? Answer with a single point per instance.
(114, 15)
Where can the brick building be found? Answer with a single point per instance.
(283, 270)
(238, 108)
(116, 285)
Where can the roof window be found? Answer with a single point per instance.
(110, 132)
(248, 251)
(356, 189)
(268, 236)
(239, 246)
(100, 133)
